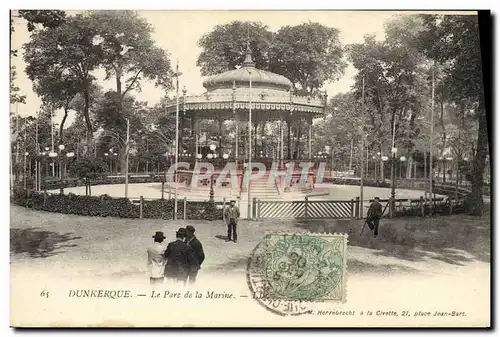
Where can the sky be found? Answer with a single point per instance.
(178, 32)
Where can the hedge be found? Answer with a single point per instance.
(356, 182)
(54, 184)
(105, 206)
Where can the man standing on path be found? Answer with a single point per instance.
(180, 258)
(374, 215)
(195, 244)
(156, 260)
(231, 215)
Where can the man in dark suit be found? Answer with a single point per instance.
(180, 258)
(231, 215)
(374, 214)
(195, 244)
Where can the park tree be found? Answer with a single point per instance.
(395, 80)
(128, 52)
(453, 41)
(309, 55)
(67, 50)
(225, 47)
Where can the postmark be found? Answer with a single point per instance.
(287, 272)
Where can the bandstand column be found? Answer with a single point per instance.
(281, 142)
(237, 120)
(196, 128)
(309, 152)
(221, 130)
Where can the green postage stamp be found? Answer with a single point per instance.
(299, 267)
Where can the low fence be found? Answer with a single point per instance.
(349, 209)
(305, 209)
(424, 207)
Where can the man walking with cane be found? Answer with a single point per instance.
(374, 215)
(231, 215)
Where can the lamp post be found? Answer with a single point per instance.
(127, 143)
(61, 149)
(329, 148)
(53, 155)
(374, 158)
(212, 156)
(109, 161)
(26, 154)
(176, 75)
(402, 159)
(47, 150)
(68, 156)
(116, 163)
(394, 150)
(43, 159)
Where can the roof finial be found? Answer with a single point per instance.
(248, 58)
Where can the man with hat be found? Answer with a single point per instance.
(231, 215)
(180, 258)
(195, 244)
(156, 260)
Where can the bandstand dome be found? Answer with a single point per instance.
(241, 76)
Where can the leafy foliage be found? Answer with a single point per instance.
(88, 168)
(128, 50)
(309, 55)
(46, 18)
(15, 95)
(225, 46)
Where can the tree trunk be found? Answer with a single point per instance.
(88, 123)
(441, 121)
(476, 196)
(61, 127)
(118, 72)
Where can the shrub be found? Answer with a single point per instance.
(206, 210)
(158, 209)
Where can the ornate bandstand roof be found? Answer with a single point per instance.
(232, 91)
(242, 76)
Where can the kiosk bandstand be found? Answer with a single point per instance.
(251, 97)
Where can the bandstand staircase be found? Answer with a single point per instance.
(262, 189)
